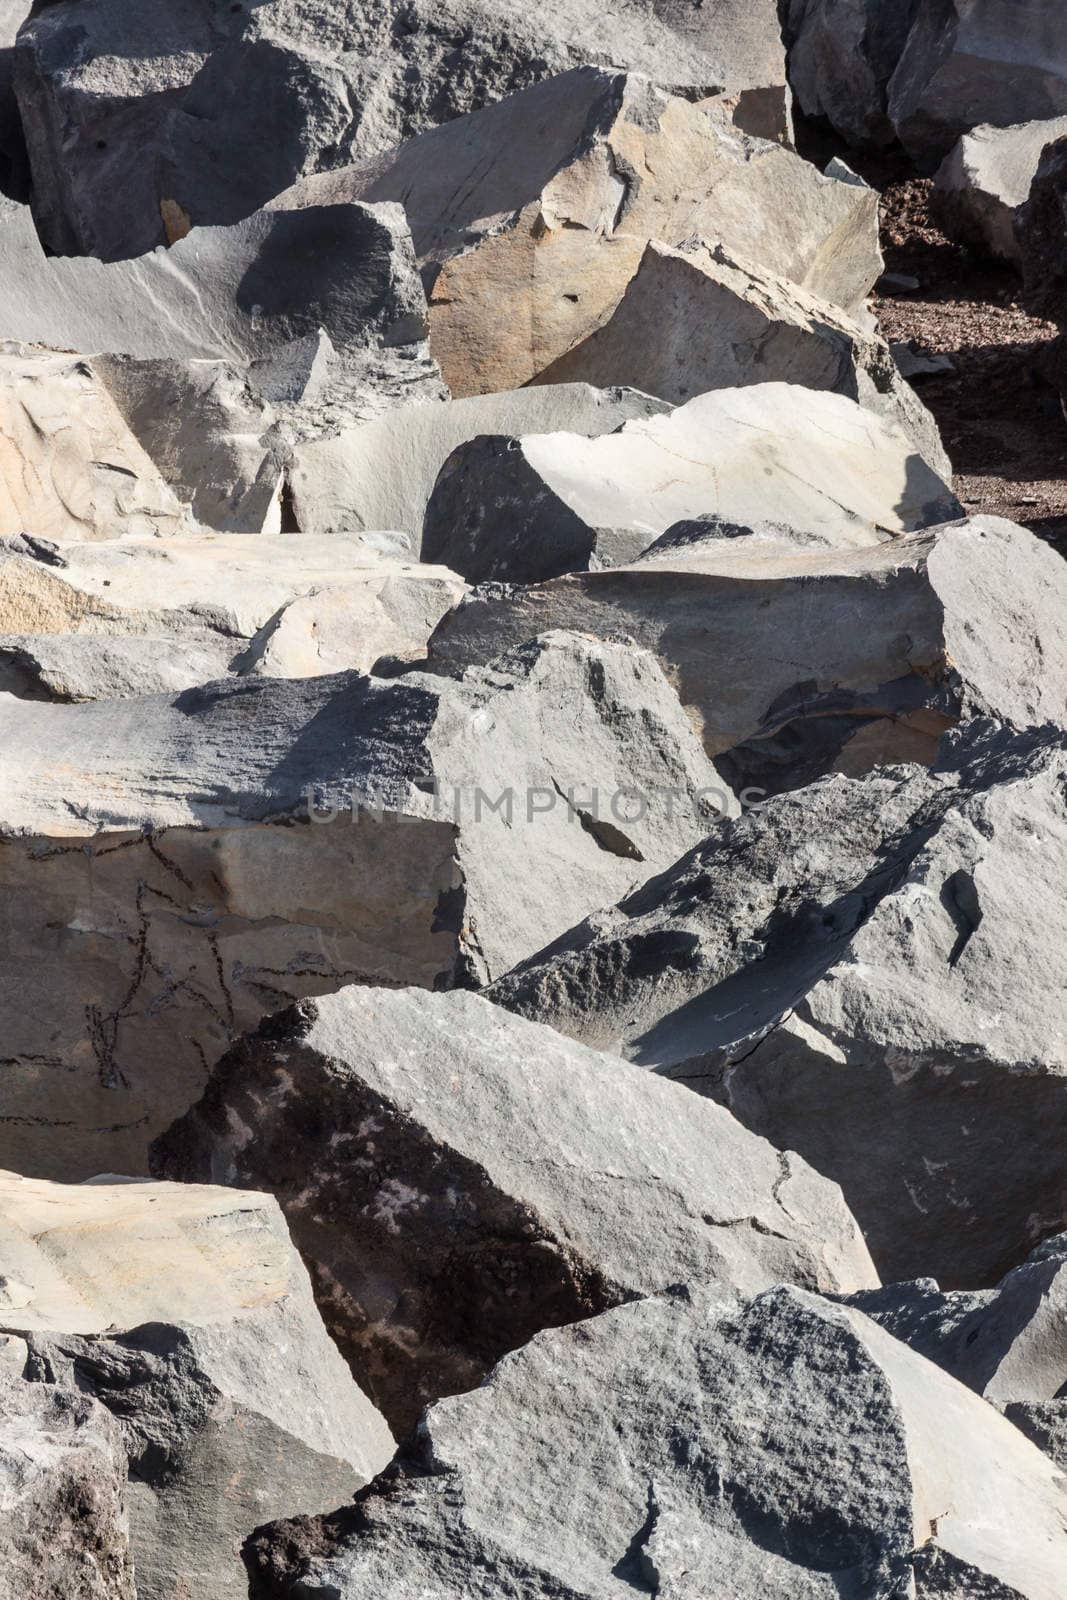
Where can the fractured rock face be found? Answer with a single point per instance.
(1041, 231)
(458, 1178)
(186, 1312)
(842, 55)
(699, 318)
(697, 1447)
(152, 104)
(983, 182)
(523, 510)
(176, 867)
(863, 972)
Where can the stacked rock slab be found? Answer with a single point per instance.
(175, 867)
(982, 183)
(530, 218)
(186, 1313)
(524, 510)
(458, 1178)
(703, 1446)
(862, 972)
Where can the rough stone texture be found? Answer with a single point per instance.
(862, 971)
(968, 62)
(153, 103)
(522, 510)
(187, 1313)
(63, 1528)
(69, 466)
(842, 54)
(701, 318)
(876, 650)
(981, 184)
(458, 1178)
(382, 474)
(143, 616)
(174, 868)
(686, 1448)
(1045, 1425)
(1041, 230)
(530, 218)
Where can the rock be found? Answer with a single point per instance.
(842, 55)
(699, 318)
(877, 650)
(144, 616)
(1045, 1425)
(176, 867)
(893, 283)
(971, 62)
(459, 1178)
(63, 1530)
(704, 1446)
(862, 972)
(69, 466)
(1041, 232)
(14, 160)
(984, 180)
(530, 218)
(523, 510)
(914, 362)
(186, 1312)
(382, 474)
(154, 105)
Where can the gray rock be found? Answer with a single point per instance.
(981, 184)
(63, 1528)
(701, 318)
(523, 510)
(176, 867)
(697, 1447)
(186, 1312)
(1042, 239)
(876, 651)
(862, 971)
(842, 55)
(201, 114)
(1045, 1425)
(458, 1178)
(382, 474)
(913, 361)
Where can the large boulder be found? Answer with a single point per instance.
(530, 218)
(1041, 232)
(381, 475)
(186, 1312)
(842, 55)
(697, 1446)
(174, 867)
(700, 318)
(876, 651)
(458, 1178)
(200, 113)
(982, 183)
(863, 972)
(523, 510)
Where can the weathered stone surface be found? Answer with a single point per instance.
(523, 510)
(1045, 1424)
(63, 1526)
(842, 55)
(143, 616)
(862, 971)
(176, 867)
(187, 1313)
(458, 1178)
(708, 1447)
(382, 474)
(1041, 231)
(530, 218)
(69, 466)
(153, 104)
(700, 318)
(876, 651)
(981, 184)
(968, 62)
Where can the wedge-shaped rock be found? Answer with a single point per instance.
(187, 1313)
(697, 1447)
(863, 972)
(144, 616)
(530, 218)
(842, 55)
(175, 867)
(69, 466)
(700, 318)
(458, 1178)
(522, 510)
(200, 114)
(982, 183)
(381, 475)
(875, 651)
(968, 62)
